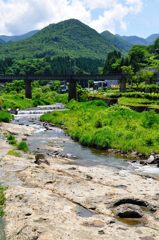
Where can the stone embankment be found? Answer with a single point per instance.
(56, 199)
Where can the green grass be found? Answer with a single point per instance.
(116, 127)
(2, 200)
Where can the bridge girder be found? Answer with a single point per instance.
(72, 79)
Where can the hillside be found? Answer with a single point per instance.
(11, 39)
(68, 38)
(117, 41)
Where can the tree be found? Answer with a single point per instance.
(113, 62)
(129, 73)
(138, 57)
(143, 76)
(17, 85)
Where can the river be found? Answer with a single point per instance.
(83, 155)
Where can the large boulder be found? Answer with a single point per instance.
(41, 158)
(153, 159)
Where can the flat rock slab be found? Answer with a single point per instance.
(45, 206)
(16, 129)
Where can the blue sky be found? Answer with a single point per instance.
(125, 17)
(146, 22)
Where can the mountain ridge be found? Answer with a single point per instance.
(135, 40)
(122, 43)
(117, 41)
(15, 38)
(70, 38)
(67, 38)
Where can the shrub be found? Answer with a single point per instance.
(5, 116)
(23, 146)
(11, 139)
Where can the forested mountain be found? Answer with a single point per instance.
(69, 46)
(68, 38)
(11, 39)
(117, 41)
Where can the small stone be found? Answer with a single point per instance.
(72, 168)
(89, 178)
(143, 162)
(112, 222)
(101, 232)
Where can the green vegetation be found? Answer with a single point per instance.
(13, 96)
(13, 153)
(119, 42)
(23, 146)
(2, 200)
(117, 127)
(11, 139)
(5, 116)
(69, 46)
(147, 96)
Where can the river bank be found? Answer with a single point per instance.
(116, 129)
(58, 198)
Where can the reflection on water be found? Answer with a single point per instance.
(131, 221)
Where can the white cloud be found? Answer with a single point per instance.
(20, 16)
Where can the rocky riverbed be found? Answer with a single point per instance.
(54, 198)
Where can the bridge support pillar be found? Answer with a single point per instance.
(72, 91)
(123, 85)
(28, 89)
